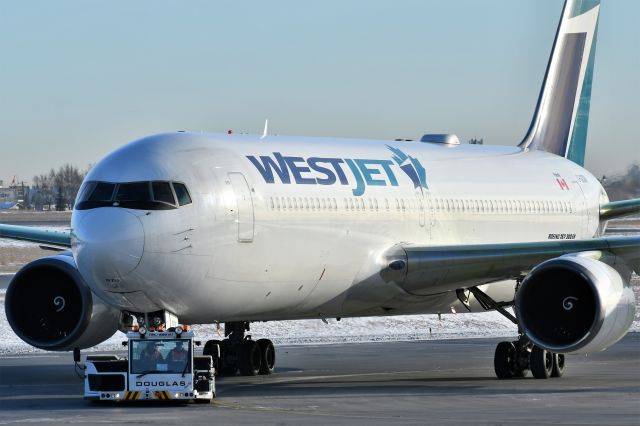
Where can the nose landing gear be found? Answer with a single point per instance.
(239, 353)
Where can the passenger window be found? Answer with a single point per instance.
(162, 192)
(138, 191)
(182, 194)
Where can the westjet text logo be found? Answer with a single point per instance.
(358, 173)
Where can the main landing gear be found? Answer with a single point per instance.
(514, 359)
(240, 353)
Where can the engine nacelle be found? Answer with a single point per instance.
(575, 304)
(49, 306)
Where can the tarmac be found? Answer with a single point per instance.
(447, 382)
(418, 382)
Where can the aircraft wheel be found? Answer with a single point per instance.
(228, 358)
(558, 365)
(214, 348)
(249, 358)
(541, 362)
(268, 356)
(504, 361)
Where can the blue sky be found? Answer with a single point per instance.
(78, 79)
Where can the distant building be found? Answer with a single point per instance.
(15, 195)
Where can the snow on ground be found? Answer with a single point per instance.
(352, 330)
(348, 330)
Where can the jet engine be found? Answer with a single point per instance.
(49, 306)
(575, 304)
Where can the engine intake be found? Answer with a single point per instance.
(49, 306)
(575, 304)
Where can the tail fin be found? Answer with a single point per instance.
(561, 117)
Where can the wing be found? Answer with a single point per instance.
(49, 237)
(431, 270)
(619, 208)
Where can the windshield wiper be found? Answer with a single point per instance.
(145, 372)
(184, 371)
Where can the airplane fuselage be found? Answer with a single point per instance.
(287, 228)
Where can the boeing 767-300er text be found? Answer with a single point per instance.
(207, 228)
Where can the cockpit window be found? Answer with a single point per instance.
(157, 195)
(182, 193)
(138, 191)
(102, 192)
(162, 192)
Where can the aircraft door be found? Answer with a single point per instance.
(430, 212)
(244, 206)
(420, 199)
(583, 206)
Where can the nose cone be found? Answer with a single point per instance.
(108, 244)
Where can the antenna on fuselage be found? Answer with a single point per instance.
(266, 126)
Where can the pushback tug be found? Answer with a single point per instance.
(161, 366)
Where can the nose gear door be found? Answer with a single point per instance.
(244, 206)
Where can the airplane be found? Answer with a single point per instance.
(202, 228)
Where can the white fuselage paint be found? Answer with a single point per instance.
(273, 251)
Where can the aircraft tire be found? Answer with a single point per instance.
(541, 362)
(249, 358)
(216, 353)
(504, 361)
(228, 358)
(268, 356)
(558, 365)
